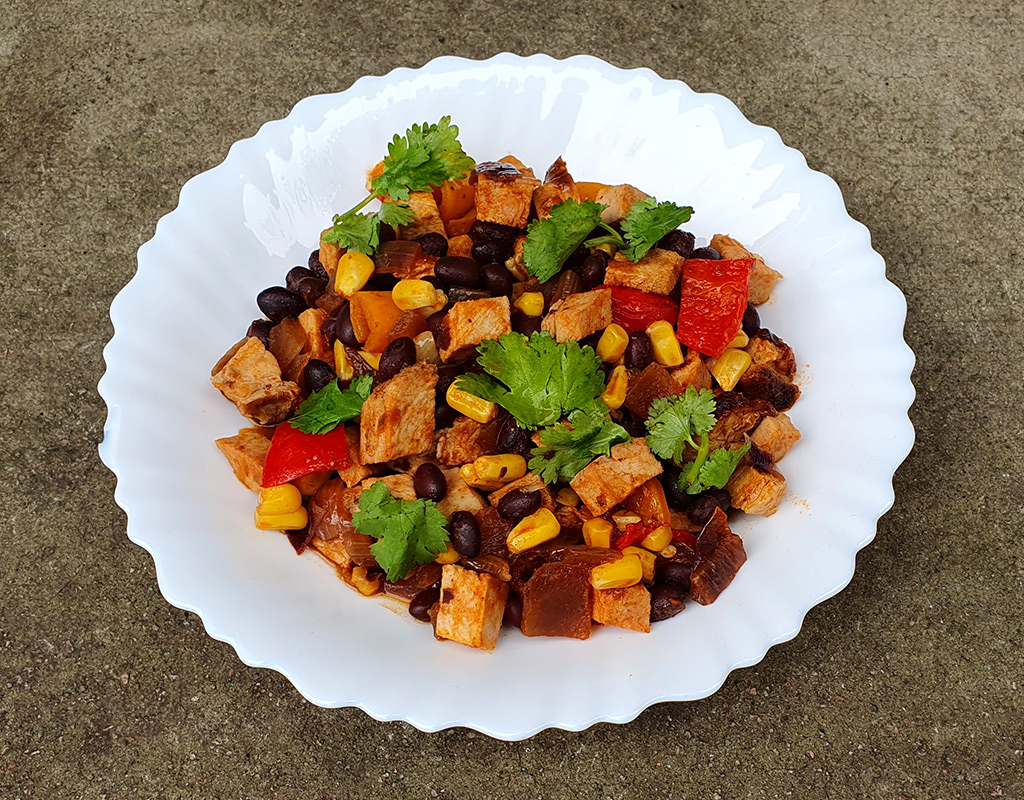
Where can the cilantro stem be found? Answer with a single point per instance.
(613, 237)
(702, 456)
(359, 206)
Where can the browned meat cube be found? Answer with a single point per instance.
(426, 219)
(609, 480)
(461, 246)
(719, 556)
(312, 320)
(657, 272)
(692, 372)
(624, 608)
(756, 492)
(736, 414)
(767, 349)
(251, 379)
(763, 383)
(465, 441)
(558, 186)
(398, 417)
(619, 200)
(400, 486)
(504, 193)
(246, 453)
(557, 601)
(461, 496)
(530, 482)
(762, 277)
(776, 435)
(356, 470)
(470, 322)
(579, 315)
(471, 608)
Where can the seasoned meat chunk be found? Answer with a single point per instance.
(246, 453)
(736, 415)
(312, 320)
(692, 372)
(764, 383)
(624, 608)
(776, 435)
(330, 254)
(619, 200)
(767, 349)
(251, 379)
(398, 416)
(609, 480)
(657, 272)
(719, 556)
(461, 496)
(465, 441)
(356, 470)
(471, 608)
(756, 492)
(579, 315)
(504, 193)
(426, 217)
(558, 186)
(400, 486)
(762, 277)
(470, 322)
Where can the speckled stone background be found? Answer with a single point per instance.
(906, 685)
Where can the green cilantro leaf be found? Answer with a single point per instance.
(538, 380)
(395, 214)
(408, 532)
(715, 472)
(550, 241)
(568, 447)
(323, 411)
(673, 422)
(355, 231)
(647, 221)
(427, 156)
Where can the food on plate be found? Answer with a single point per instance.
(512, 400)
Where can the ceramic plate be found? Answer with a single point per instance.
(240, 226)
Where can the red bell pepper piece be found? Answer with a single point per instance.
(635, 532)
(293, 454)
(714, 297)
(635, 310)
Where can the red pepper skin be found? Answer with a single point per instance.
(635, 310)
(684, 539)
(635, 532)
(711, 306)
(293, 454)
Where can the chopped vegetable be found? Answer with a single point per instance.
(635, 533)
(635, 310)
(714, 297)
(673, 422)
(550, 241)
(715, 472)
(568, 447)
(322, 411)
(294, 453)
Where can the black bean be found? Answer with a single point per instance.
(593, 269)
(382, 281)
(433, 244)
(709, 253)
(279, 303)
(311, 289)
(497, 280)
(429, 482)
(444, 415)
(514, 609)
(387, 233)
(327, 329)
(518, 503)
(703, 506)
(318, 374)
(296, 274)
(457, 271)
(591, 340)
(446, 375)
(524, 324)
(504, 235)
(666, 601)
(435, 322)
(679, 242)
(751, 321)
(315, 266)
(260, 328)
(490, 252)
(576, 258)
(512, 438)
(677, 498)
(676, 572)
(420, 605)
(464, 534)
(398, 355)
(343, 330)
(639, 352)
(456, 294)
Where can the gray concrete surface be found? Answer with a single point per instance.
(907, 685)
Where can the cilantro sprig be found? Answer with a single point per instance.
(537, 380)
(715, 472)
(408, 532)
(427, 156)
(323, 411)
(644, 225)
(568, 447)
(551, 240)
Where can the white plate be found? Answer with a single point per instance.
(240, 226)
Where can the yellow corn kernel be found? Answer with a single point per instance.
(449, 556)
(627, 571)
(567, 497)
(373, 359)
(530, 303)
(411, 294)
(610, 249)
(667, 351)
(647, 560)
(342, 366)
(366, 586)
(469, 404)
(426, 349)
(741, 340)
(468, 473)
(504, 468)
(624, 518)
(669, 552)
(612, 343)
(541, 526)
(615, 392)
(597, 532)
(354, 270)
(730, 366)
(658, 539)
(292, 521)
(283, 499)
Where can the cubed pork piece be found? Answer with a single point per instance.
(764, 383)
(461, 496)
(609, 480)
(530, 482)
(426, 217)
(356, 471)
(619, 200)
(400, 485)
(692, 372)
(465, 441)
(504, 193)
(656, 273)
(558, 186)
(330, 254)
(471, 608)
(251, 379)
(519, 165)
(471, 321)
(246, 453)
(398, 417)
(756, 492)
(579, 315)
(776, 435)
(762, 277)
(628, 608)
(719, 554)
(736, 415)
(768, 350)
(312, 320)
